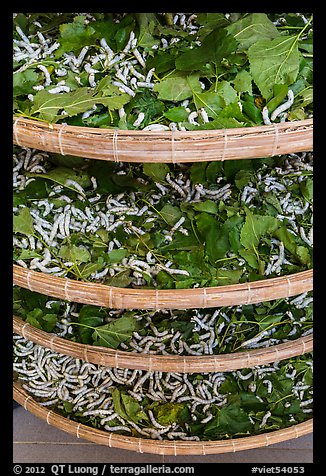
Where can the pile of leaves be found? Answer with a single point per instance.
(221, 240)
(231, 329)
(218, 406)
(230, 65)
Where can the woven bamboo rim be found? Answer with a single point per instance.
(164, 363)
(165, 146)
(141, 445)
(128, 298)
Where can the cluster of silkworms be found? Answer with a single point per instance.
(55, 223)
(127, 68)
(56, 380)
(213, 328)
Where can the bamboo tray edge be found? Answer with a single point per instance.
(164, 363)
(128, 298)
(141, 445)
(165, 146)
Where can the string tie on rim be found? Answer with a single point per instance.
(173, 146)
(60, 139)
(25, 402)
(115, 145)
(110, 297)
(225, 135)
(22, 331)
(15, 131)
(205, 297)
(276, 140)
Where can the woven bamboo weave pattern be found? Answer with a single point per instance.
(166, 146)
(141, 445)
(126, 298)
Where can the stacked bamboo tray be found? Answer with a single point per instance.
(173, 147)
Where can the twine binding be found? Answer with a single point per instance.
(175, 448)
(225, 135)
(150, 365)
(15, 131)
(53, 338)
(85, 356)
(28, 277)
(139, 446)
(156, 300)
(60, 139)
(289, 287)
(25, 402)
(115, 145)
(184, 365)
(23, 330)
(110, 297)
(66, 293)
(249, 294)
(267, 442)
(77, 430)
(276, 140)
(47, 416)
(172, 146)
(205, 297)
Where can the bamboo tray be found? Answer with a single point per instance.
(165, 146)
(164, 363)
(127, 298)
(162, 447)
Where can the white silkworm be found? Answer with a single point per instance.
(139, 120)
(304, 237)
(191, 118)
(306, 402)
(59, 89)
(178, 224)
(144, 84)
(164, 43)
(265, 116)
(48, 80)
(244, 377)
(125, 89)
(283, 107)
(117, 428)
(156, 127)
(106, 48)
(254, 340)
(269, 385)
(265, 418)
(136, 73)
(174, 185)
(139, 57)
(203, 114)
